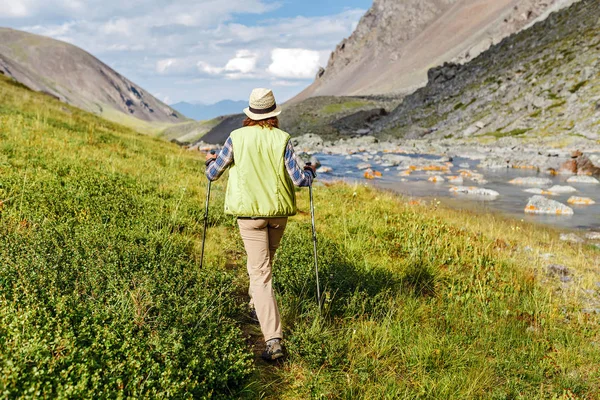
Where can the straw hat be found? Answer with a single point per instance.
(262, 105)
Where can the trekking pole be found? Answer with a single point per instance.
(205, 219)
(314, 235)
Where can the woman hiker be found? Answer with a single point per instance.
(260, 193)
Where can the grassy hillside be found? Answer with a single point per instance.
(76, 77)
(190, 132)
(101, 294)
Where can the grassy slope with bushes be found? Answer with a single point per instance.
(101, 294)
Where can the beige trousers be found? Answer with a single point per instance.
(261, 238)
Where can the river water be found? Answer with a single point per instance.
(512, 199)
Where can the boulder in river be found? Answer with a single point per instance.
(553, 191)
(371, 174)
(363, 166)
(583, 179)
(558, 189)
(569, 167)
(581, 201)
(531, 181)
(436, 179)
(543, 205)
(539, 191)
(325, 170)
(472, 190)
(457, 180)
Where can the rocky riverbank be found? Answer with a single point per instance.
(579, 159)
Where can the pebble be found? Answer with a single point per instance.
(472, 190)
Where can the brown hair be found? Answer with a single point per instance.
(270, 123)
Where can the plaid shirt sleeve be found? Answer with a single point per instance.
(299, 176)
(215, 169)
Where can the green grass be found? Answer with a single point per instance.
(101, 294)
(535, 114)
(556, 105)
(151, 128)
(462, 106)
(513, 133)
(575, 88)
(342, 107)
(189, 132)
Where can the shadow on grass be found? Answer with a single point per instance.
(349, 287)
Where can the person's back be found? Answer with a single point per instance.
(259, 184)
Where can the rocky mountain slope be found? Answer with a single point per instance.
(396, 42)
(541, 85)
(78, 78)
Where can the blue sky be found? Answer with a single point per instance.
(198, 50)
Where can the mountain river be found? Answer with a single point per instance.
(511, 201)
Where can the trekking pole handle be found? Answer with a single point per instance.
(309, 167)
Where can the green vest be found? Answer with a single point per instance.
(259, 184)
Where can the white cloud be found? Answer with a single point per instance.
(244, 62)
(284, 83)
(158, 43)
(175, 66)
(162, 66)
(117, 26)
(14, 9)
(243, 65)
(294, 63)
(209, 69)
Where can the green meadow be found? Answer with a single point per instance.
(101, 294)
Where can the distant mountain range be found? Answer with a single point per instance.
(201, 112)
(80, 79)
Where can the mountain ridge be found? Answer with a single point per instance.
(76, 77)
(394, 45)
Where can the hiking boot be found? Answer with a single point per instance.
(273, 351)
